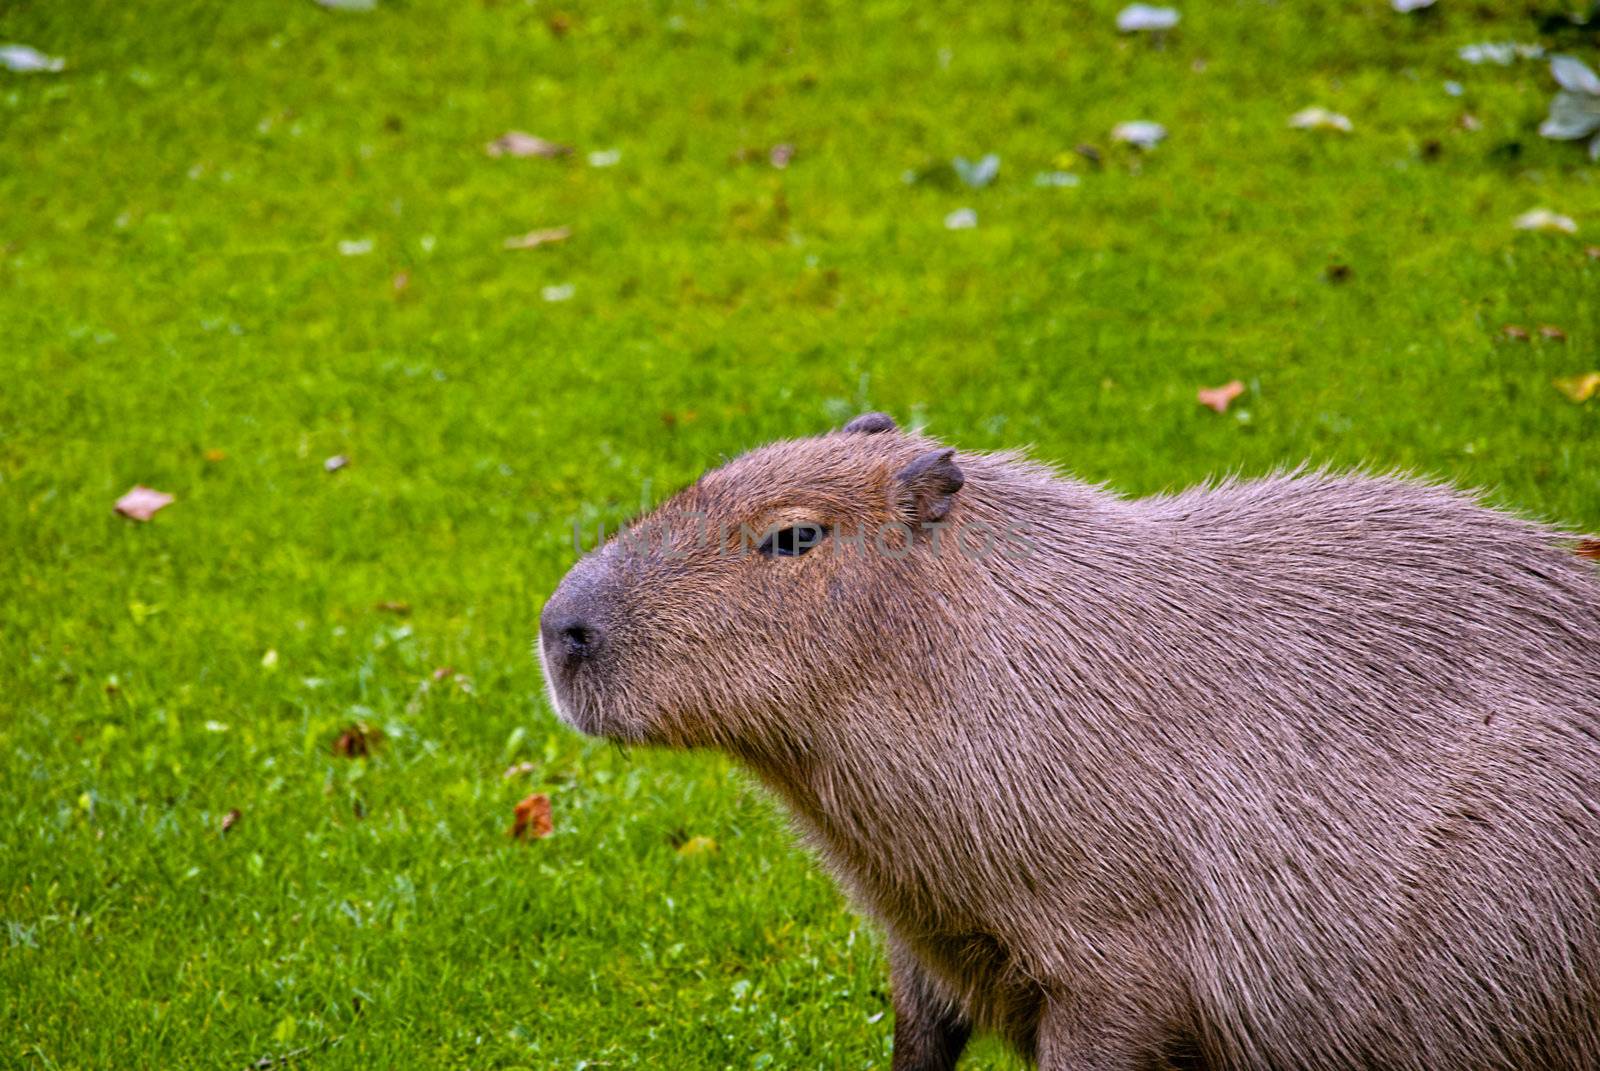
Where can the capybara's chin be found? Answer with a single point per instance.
(581, 702)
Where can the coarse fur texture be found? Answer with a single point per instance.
(1292, 773)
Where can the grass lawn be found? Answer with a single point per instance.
(242, 238)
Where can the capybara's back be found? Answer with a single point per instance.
(1387, 704)
(1300, 773)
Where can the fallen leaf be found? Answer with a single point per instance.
(558, 23)
(27, 60)
(1515, 332)
(518, 770)
(1499, 52)
(532, 819)
(1552, 333)
(358, 741)
(780, 155)
(697, 846)
(141, 503)
(1589, 548)
(1579, 388)
(962, 219)
(1143, 17)
(393, 607)
(444, 672)
(1141, 133)
(1573, 75)
(1545, 221)
(335, 463)
(1592, 252)
(231, 819)
(534, 239)
(977, 173)
(1318, 118)
(516, 143)
(1218, 398)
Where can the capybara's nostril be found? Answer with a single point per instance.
(580, 639)
(570, 634)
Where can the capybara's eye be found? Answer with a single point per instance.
(793, 542)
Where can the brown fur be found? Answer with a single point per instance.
(1299, 773)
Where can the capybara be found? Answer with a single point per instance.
(1292, 773)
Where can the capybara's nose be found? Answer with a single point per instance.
(570, 635)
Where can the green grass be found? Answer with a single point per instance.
(171, 283)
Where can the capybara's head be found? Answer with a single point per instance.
(765, 594)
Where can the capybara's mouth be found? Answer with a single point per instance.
(575, 702)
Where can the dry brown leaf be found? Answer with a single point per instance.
(393, 606)
(1589, 548)
(1515, 333)
(1579, 388)
(1218, 398)
(1552, 332)
(231, 819)
(444, 673)
(358, 741)
(141, 503)
(532, 818)
(517, 143)
(534, 239)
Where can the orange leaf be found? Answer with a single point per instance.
(532, 818)
(1589, 548)
(1579, 388)
(1218, 397)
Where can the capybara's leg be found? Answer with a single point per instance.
(1078, 1035)
(929, 1029)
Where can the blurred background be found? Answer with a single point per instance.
(389, 296)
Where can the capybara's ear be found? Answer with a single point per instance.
(925, 489)
(871, 423)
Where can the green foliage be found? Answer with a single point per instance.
(171, 283)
